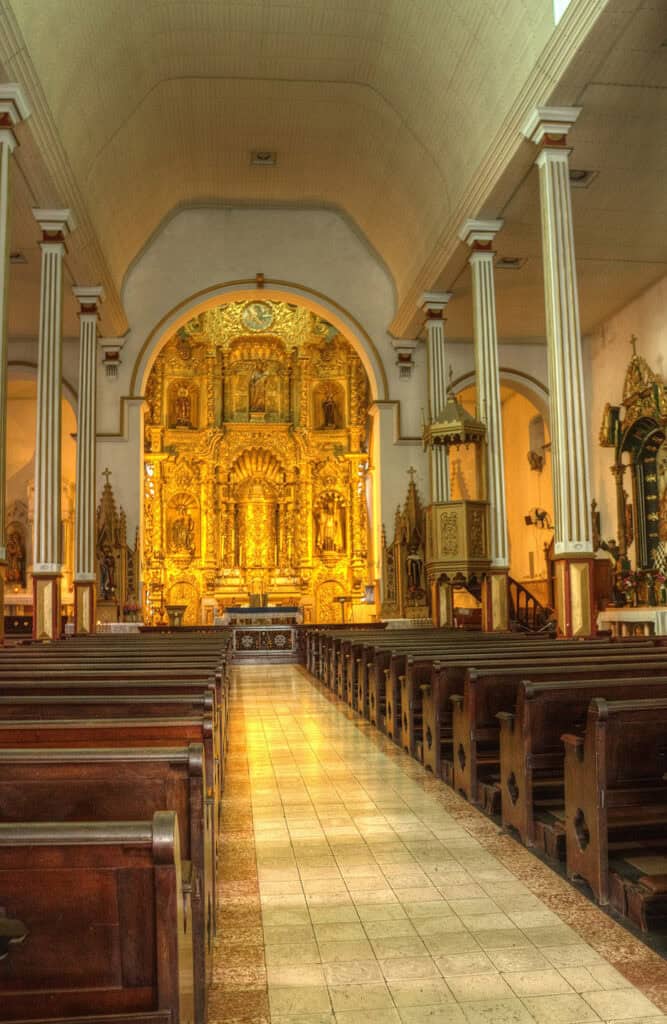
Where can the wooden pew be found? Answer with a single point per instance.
(106, 907)
(615, 790)
(491, 688)
(117, 732)
(108, 784)
(532, 757)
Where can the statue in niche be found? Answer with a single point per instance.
(413, 564)
(329, 410)
(183, 531)
(183, 407)
(257, 388)
(330, 527)
(107, 573)
(15, 572)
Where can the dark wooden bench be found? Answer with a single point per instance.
(532, 757)
(117, 732)
(109, 784)
(106, 910)
(615, 791)
(491, 688)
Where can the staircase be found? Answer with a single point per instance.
(527, 615)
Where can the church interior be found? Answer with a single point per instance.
(333, 512)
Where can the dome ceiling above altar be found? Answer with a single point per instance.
(403, 114)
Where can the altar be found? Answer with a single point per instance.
(265, 634)
(646, 621)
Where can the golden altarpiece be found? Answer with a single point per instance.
(255, 465)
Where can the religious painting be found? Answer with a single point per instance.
(15, 571)
(182, 525)
(329, 406)
(183, 404)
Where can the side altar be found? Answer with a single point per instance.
(267, 633)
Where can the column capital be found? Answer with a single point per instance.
(56, 225)
(433, 304)
(548, 126)
(89, 298)
(14, 106)
(479, 234)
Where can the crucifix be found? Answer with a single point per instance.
(106, 474)
(412, 473)
(633, 342)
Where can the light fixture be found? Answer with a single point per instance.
(510, 262)
(580, 178)
(263, 158)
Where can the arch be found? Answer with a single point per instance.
(20, 369)
(274, 291)
(530, 387)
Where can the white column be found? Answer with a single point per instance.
(548, 127)
(84, 536)
(479, 234)
(433, 305)
(13, 109)
(55, 225)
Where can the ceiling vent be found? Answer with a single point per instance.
(263, 158)
(510, 262)
(18, 257)
(581, 179)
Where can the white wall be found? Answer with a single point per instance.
(317, 253)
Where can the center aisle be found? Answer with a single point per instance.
(355, 888)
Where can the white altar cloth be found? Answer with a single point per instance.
(629, 621)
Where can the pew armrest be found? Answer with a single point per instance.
(506, 720)
(456, 699)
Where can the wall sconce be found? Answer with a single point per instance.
(539, 517)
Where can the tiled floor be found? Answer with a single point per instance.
(355, 888)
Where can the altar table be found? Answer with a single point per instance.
(645, 621)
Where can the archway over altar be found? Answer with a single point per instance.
(256, 470)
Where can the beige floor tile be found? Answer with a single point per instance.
(339, 932)
(424, 992)
(381, 912)
(608, 977)
(285, 917)
(519, 958)
(537, 983)
(278, 936)
(565, 1009)
(456, 964)
(620, 1004)
(361, 997)
(478, 986)
(450, 942)
(341, 952)
(389, 929)
(398, 946)
(556, 935)
(430, 908)
(468, 907)
(300, 1018)
(500, 938)
(440, 1013)
(384, 1016)
(298, 1000)
(497, 1011)
(333, 914)
(409, 968)
(580, 979)
(294, 953)
(291, 975)
(573, 955)
(359, 972)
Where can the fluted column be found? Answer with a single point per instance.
(433, 305)
(85, 570)
(479, 234)
(13, 109)
(55, 225)
(548, 127)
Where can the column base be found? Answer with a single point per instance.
(574, 597)
(46, 607)
(84, 606)
(495, 601)
(442, 603)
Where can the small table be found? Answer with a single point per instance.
(644, 621)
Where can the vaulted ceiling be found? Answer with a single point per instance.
(404, 114)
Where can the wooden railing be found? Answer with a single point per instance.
(527, 615)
